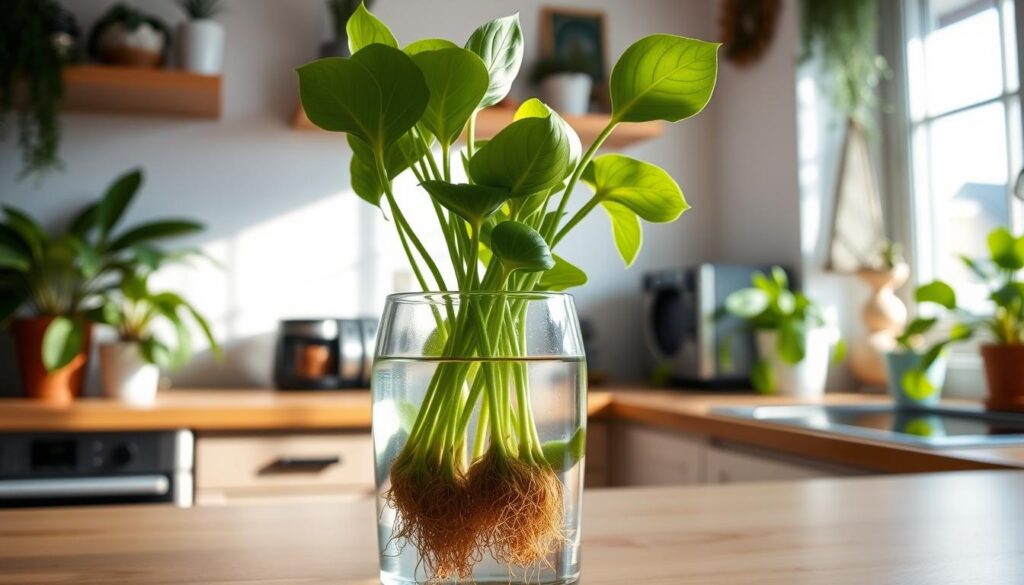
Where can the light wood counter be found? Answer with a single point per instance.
(954, 529)
(689, 412)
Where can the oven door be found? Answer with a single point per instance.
(111, 489)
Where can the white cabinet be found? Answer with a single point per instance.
(643, 455)
(739, 464)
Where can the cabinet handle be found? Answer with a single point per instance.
(301, 464)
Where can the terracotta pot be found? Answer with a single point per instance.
(61, 386)
(1004, 372)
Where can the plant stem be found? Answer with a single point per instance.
(587, 157)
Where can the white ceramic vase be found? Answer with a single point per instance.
(805, 380)
(567, 93)
(125, 376)
(201, 46)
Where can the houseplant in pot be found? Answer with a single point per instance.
(1003, 351)
(792, 337)
(914, 377)
(565, 83)
(49, 283)
(479, 387)
(126, 36)
(201, 38)
(130, 366)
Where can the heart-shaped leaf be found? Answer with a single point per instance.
(747, 302)
(499, 43)
(62, 341)
(937, 292)
(534, 108)
(363, 168)
(626, 229)
(116, 200)
(378, 94)
(457, 80)
(520, 247)
(1006, 251)
(562, 276)
(473, 203)
(424, 45)
(528, 156)
(663, 77)
(364, 29)
(644, 188)
(791, 341)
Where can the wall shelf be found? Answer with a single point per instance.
(588, 126)
(133, 90)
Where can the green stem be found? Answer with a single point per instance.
(583, 212)
(587, 156)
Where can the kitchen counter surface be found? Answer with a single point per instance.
(688, 412)
(951, 528)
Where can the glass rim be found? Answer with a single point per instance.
(435, 297)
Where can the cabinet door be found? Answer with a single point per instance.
(648, 456)
(724, 465)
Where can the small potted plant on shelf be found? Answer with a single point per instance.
(127, 37)
(565, 83)
(792, 336)
(59, 279)
(915, 378)
(130, 366)
(1003, 352)
(200, 38)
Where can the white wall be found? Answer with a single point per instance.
(296, 242)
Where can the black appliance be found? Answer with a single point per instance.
(53, 469)
(324, 354)
(687, 330)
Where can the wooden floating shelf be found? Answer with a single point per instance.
(588, 126)
(137, 90)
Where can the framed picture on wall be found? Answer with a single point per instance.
(574, 35)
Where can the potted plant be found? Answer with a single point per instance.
(130, 366)
(128, 37)
(884, 315)
(565, 83)
(59, 279)
(479, 386)
(341, 11)
(792, 337)
(27, 53)
(1003, 353)
(200, 38)
(915, 378)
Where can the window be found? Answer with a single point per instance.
(964, 114)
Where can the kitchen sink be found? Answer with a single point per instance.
(935, 428)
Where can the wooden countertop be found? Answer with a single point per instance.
(689, 412)
(953, 528)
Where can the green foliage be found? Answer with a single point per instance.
(365, 29)
(663, 77)
(66, 275)
(520, 247)
(473, 203)
(499, 43)
(770, 305)
(30, 63)
(528, 156)
(562, 276)
(341, 11)
(199, 9)
(457, 81)
(844, 34)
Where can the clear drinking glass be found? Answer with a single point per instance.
(522, 350)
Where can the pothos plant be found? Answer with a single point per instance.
(403, 110)
(1005, 325)
(770, 305)
(66, 275)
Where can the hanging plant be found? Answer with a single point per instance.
(30, 81)
(843, 35)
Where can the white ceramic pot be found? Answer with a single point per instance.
(201, 46)
(805, 380)
(567, 93)
(125, 375)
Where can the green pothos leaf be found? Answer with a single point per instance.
(562, 276)
(626, 229)
(364, 29)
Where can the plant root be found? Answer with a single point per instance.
(433, 513)
(517, 509)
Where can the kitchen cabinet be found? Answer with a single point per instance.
(642, 455)
(247, 468)
(736, 464)
(597, 472)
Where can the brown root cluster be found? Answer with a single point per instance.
(501, 506)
